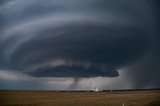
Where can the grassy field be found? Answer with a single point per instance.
(36, 98)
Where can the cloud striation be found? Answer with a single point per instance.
(81, 39)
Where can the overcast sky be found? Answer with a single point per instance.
(79, 45)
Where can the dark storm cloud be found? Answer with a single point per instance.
(91, 38)
(147, 68)
(85, 43)
(3, 2)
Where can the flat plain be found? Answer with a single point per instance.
(48, 98)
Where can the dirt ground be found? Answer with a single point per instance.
(42, 98)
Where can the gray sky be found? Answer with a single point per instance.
(65, 45)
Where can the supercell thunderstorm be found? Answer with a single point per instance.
(80, 39)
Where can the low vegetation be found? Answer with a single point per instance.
(43, 98)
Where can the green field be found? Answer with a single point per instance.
(40, 98)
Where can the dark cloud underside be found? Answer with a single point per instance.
(81, 39)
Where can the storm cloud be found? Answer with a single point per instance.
(81, 39)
